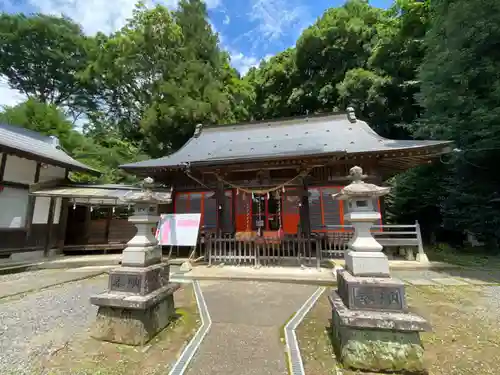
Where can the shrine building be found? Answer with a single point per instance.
(272, 181)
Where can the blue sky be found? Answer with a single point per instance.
(250, 30)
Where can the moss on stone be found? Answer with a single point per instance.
(377, 355)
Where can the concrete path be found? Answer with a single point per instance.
(322, 276)
(247, 318)
(449, 277)
(67, 262)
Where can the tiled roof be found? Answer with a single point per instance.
(319, 135)
(40, 147)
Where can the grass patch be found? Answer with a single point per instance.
(467, 257)
(283, 341)
(86, 356)
(465, 338)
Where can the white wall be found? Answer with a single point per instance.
(14, 201)
(19, 170)
(13, 207)
(41, 211)
(51, 173)
(57, 210)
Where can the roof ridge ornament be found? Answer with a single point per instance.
(351, 114)
(197, 130)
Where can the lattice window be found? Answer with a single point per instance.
(331, 207)
(182, 203)
(315, 209)
(205, 204)
(291, 202)
(228, 213)
(209, 212)
(195, 203)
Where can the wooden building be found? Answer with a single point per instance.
(269, 184)
(30, 160)
(97, 216)
(43, 211)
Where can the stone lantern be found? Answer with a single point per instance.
(139, 302)
(372, 327)
(365, 257)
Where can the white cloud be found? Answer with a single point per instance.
(213, 4)
(101, 15)
(276, 19)
(227, 20)
(8, 96)
(268, 57)
(243, 63)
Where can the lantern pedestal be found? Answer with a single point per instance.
(139, 302)
(372, 328)
(369, 264)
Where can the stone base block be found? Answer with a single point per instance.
(371, 293)
(131, 325)
(137, 256)
(422, 258)
(139, 280)
(186, 267)
(27, 256)
(377, 341)
(374, 264)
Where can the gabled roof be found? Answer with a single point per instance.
(318, 135)
(25, 142)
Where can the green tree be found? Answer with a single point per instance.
(384, 91)
(342, 39)
(104, 152)
(276, 87)
(44, 118)
(159, 76)
(460, 92)
(131, 68)
(43, 56)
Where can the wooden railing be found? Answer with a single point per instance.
(228, 249)
(330, 243)
(336, 237)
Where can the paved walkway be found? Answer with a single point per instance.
(449, 277)
(246, 321)
(445, 276)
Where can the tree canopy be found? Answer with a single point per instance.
(418, 69)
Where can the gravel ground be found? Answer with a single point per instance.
(43, 279)
(37, 324)
(27, 275)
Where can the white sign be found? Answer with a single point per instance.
(178, 229)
